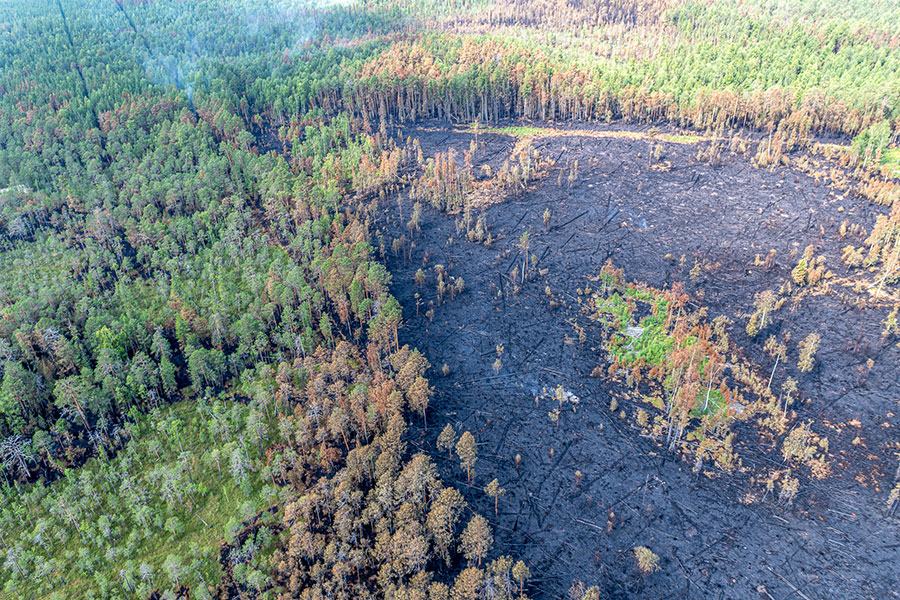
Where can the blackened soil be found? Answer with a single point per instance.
(833, 542)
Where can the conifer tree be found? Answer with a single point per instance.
(476, 539)
(446, 439)
(521, 573)
(494, 490)
(467, 451)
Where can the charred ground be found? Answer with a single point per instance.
(657, 218)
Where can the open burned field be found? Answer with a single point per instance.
(529, 354)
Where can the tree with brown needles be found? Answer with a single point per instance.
(468, 585)
(467, 451)
(446, 439)
(494, 490)
(573, 174)
(441, 520)
(808, 348)
(776, 350)
(765, 302)
(521, 573)
(418, 395)
(415, 223)
(647, 560)
(476, 539)
(525, 246)
(498, 363)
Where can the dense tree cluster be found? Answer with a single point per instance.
(141, 521)
(152, 252)
(697, 65)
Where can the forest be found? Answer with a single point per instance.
(460, 300)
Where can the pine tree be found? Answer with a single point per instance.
(808, 348)
(476, 539)
(467, 451)
(446, 439)
(521, 573)
(494, 490)
(418, 394)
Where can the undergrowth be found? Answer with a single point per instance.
(689, 382)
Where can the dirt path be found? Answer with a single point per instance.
(834, 542)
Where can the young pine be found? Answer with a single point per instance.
(446, 439)
(494, 490)
(467, 451)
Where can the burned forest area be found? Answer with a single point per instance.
(449, 299)
(584, 488)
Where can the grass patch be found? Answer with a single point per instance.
(714, 404)
(528, 131)
(680, 138)
(637, 340)
(890, 160)
(520, 131)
